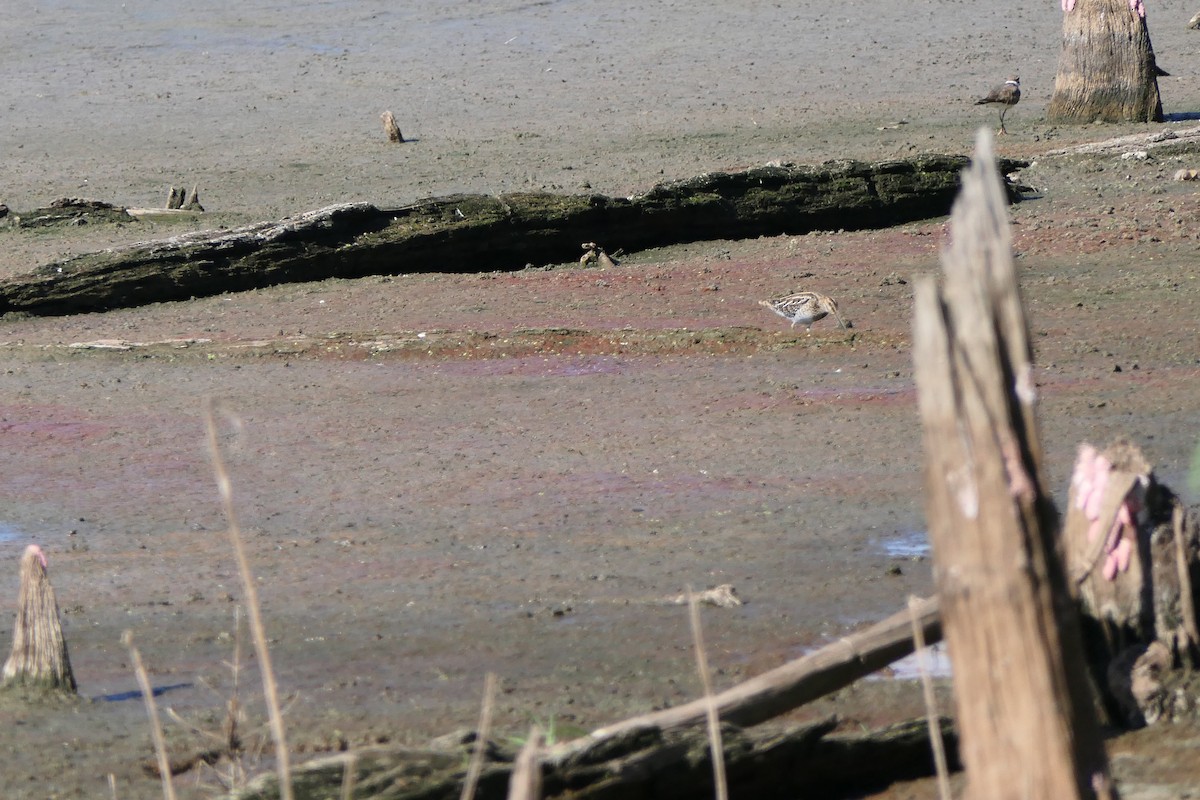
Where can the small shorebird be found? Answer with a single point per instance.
(806, 308)
(1006, 96)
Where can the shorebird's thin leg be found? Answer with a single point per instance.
(1003, 111)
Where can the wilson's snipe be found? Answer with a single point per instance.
(806, 308)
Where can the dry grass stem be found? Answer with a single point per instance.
(714, 722)
(160, 744)
(39, 651)
(481, 736)
(349, 776)
(233, 739)
(112, 785)
(270, 689)
(526, 780)
(931, 709)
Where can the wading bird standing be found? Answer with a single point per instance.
(1006, 96)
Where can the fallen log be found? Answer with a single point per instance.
(665, 754)
(789, 686)
(799, 761)
(468, 233)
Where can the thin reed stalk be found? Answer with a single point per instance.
(349, 776)
(714, 722)
(931, 710)
(253, 609)
(481, 736)
(160, 743)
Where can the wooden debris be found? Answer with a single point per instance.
(177, 200)
(796, 761)
(191, 202)
(74, 211)
(594, 254)
(449, 234)
(591, 251)
(1134, 553)
(39, 651)
(790, 686)
(526, 780)
(1106, 66)
(634, 755)
(1020, 682)
(391, 128)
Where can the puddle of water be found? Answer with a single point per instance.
(936, 659)
(914, 544)
(9, 534)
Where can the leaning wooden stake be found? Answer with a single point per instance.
(39, 652)
(1025, 717)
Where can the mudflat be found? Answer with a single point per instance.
(442, 475)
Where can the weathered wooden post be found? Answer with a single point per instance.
(1026, 723)
(39, 652)
(1134, 555)
(1106, 68)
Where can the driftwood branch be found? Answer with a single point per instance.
(1024, 710)
(641, 756)
(800, 761)
(469, 233)
(790, 686)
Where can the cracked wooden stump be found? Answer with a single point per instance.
(39, 652)
(1026, 723)
(1133, 551)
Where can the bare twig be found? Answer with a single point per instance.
(160, 744)
(270, 689)
(931, 710)
(349, 776)
(716, 745)
(481, 737)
